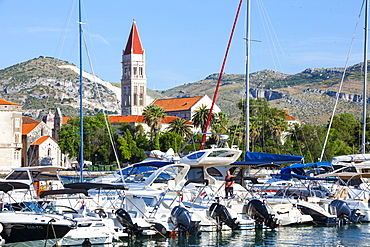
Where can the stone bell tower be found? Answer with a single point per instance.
(133, 82)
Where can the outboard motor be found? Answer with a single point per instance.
(258, 211)
(125, 220)
(181, 219)
(222, 215)
(344, 212)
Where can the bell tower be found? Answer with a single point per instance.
(133, 82)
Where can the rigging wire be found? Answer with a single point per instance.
(105, 115)
(341, 84)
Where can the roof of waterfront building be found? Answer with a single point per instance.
(177, 104)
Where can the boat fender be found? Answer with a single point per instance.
(1, 228)
(86, 243)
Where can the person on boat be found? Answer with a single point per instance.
(229, 189)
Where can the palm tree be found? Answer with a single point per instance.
(222, 121)
(153, 116)
(201, 116)
(180, 127)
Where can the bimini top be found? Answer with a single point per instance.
(8, 186)
(89, 186)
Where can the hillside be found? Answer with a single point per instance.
(44, 82)
(309, 95)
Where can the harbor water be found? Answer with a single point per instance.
(348, 235)
(302, 235)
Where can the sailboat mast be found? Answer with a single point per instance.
(247, 59)
(81, 94)
(364, 97)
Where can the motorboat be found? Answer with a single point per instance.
(38, 179)
(26, 221)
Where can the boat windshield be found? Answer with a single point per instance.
(22, 207)
(140, 174)
(18, 175)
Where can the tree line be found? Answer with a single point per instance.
(270, 132)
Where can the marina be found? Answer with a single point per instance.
(208, 191)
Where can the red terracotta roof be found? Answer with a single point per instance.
(65, 120)
(137, 119)
(28, 120)
(5, 102)
(27, 128)
(133, 45)
(288, 117)
(177, 104)
(40, 140)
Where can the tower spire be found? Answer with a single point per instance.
(133, 45)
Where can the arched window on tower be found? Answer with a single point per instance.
(135, 96)
(141, 99)
(141, 71)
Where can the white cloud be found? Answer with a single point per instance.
(100, 38)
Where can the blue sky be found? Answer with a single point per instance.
(184, 40)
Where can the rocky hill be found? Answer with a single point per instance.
(44, 82)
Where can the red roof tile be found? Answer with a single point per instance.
(40, 140)
(177, 104)
(65, 120)
(5, 102)
(133, 45)
(28, 120)
(27, 128)
(288, 117)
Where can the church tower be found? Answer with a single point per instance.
(133, 82)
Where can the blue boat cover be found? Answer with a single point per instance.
(255, 158)
(299, 168)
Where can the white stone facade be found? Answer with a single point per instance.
(10, 136)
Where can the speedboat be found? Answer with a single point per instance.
(38, 179)
(26, 221)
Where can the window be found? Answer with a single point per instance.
(141, 98)
(140, 71)
(195, 173)
(214, 172)
(17, 137)
(49, 152)
(135, 71)
(17, 122)
(136, 100)
(16, 155)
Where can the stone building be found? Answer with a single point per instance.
(32, 131)
(45, 151)
(10, 135)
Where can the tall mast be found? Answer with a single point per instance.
(81, 95)
(247, 59)
(365, 81)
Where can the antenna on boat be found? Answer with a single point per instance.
(81, 95)
(365, 81)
